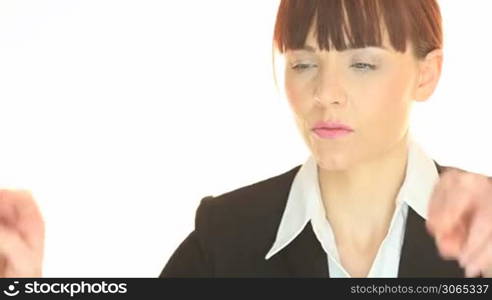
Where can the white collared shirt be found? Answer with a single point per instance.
(305, 203)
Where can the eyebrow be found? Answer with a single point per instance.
(312, 49)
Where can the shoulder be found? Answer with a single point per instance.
(248, 211)
(254, 195)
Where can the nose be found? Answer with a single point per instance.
(330, 92)
(336, 101)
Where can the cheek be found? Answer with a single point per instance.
(386, 106)
(298, 96)
(389, 98)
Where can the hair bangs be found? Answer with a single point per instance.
(345, 24)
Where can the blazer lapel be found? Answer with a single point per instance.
(304, 256)
(419, 255)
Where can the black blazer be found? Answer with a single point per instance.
(234, 231)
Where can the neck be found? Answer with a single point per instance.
(360, 201)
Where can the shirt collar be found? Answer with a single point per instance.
(305, 196)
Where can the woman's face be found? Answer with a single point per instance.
(369, 89)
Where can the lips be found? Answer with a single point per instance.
(331, 130)
(331, 125)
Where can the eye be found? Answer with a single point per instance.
(363, 66)
(301, 67)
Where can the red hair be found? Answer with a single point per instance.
(360, 21)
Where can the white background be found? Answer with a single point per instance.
(120, 116)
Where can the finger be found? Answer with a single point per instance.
(480, 263)
(461, 200)
(20, 260)
(480, 233)
(8, 213)
(28, 218)
(3, 265)
(30, 221)
(441, 193)
(450, 245)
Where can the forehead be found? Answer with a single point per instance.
(312, 40)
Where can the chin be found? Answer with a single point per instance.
(331, 162)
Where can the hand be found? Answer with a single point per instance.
(460, 218)
(21, 235)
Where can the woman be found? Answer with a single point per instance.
(366, 202)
